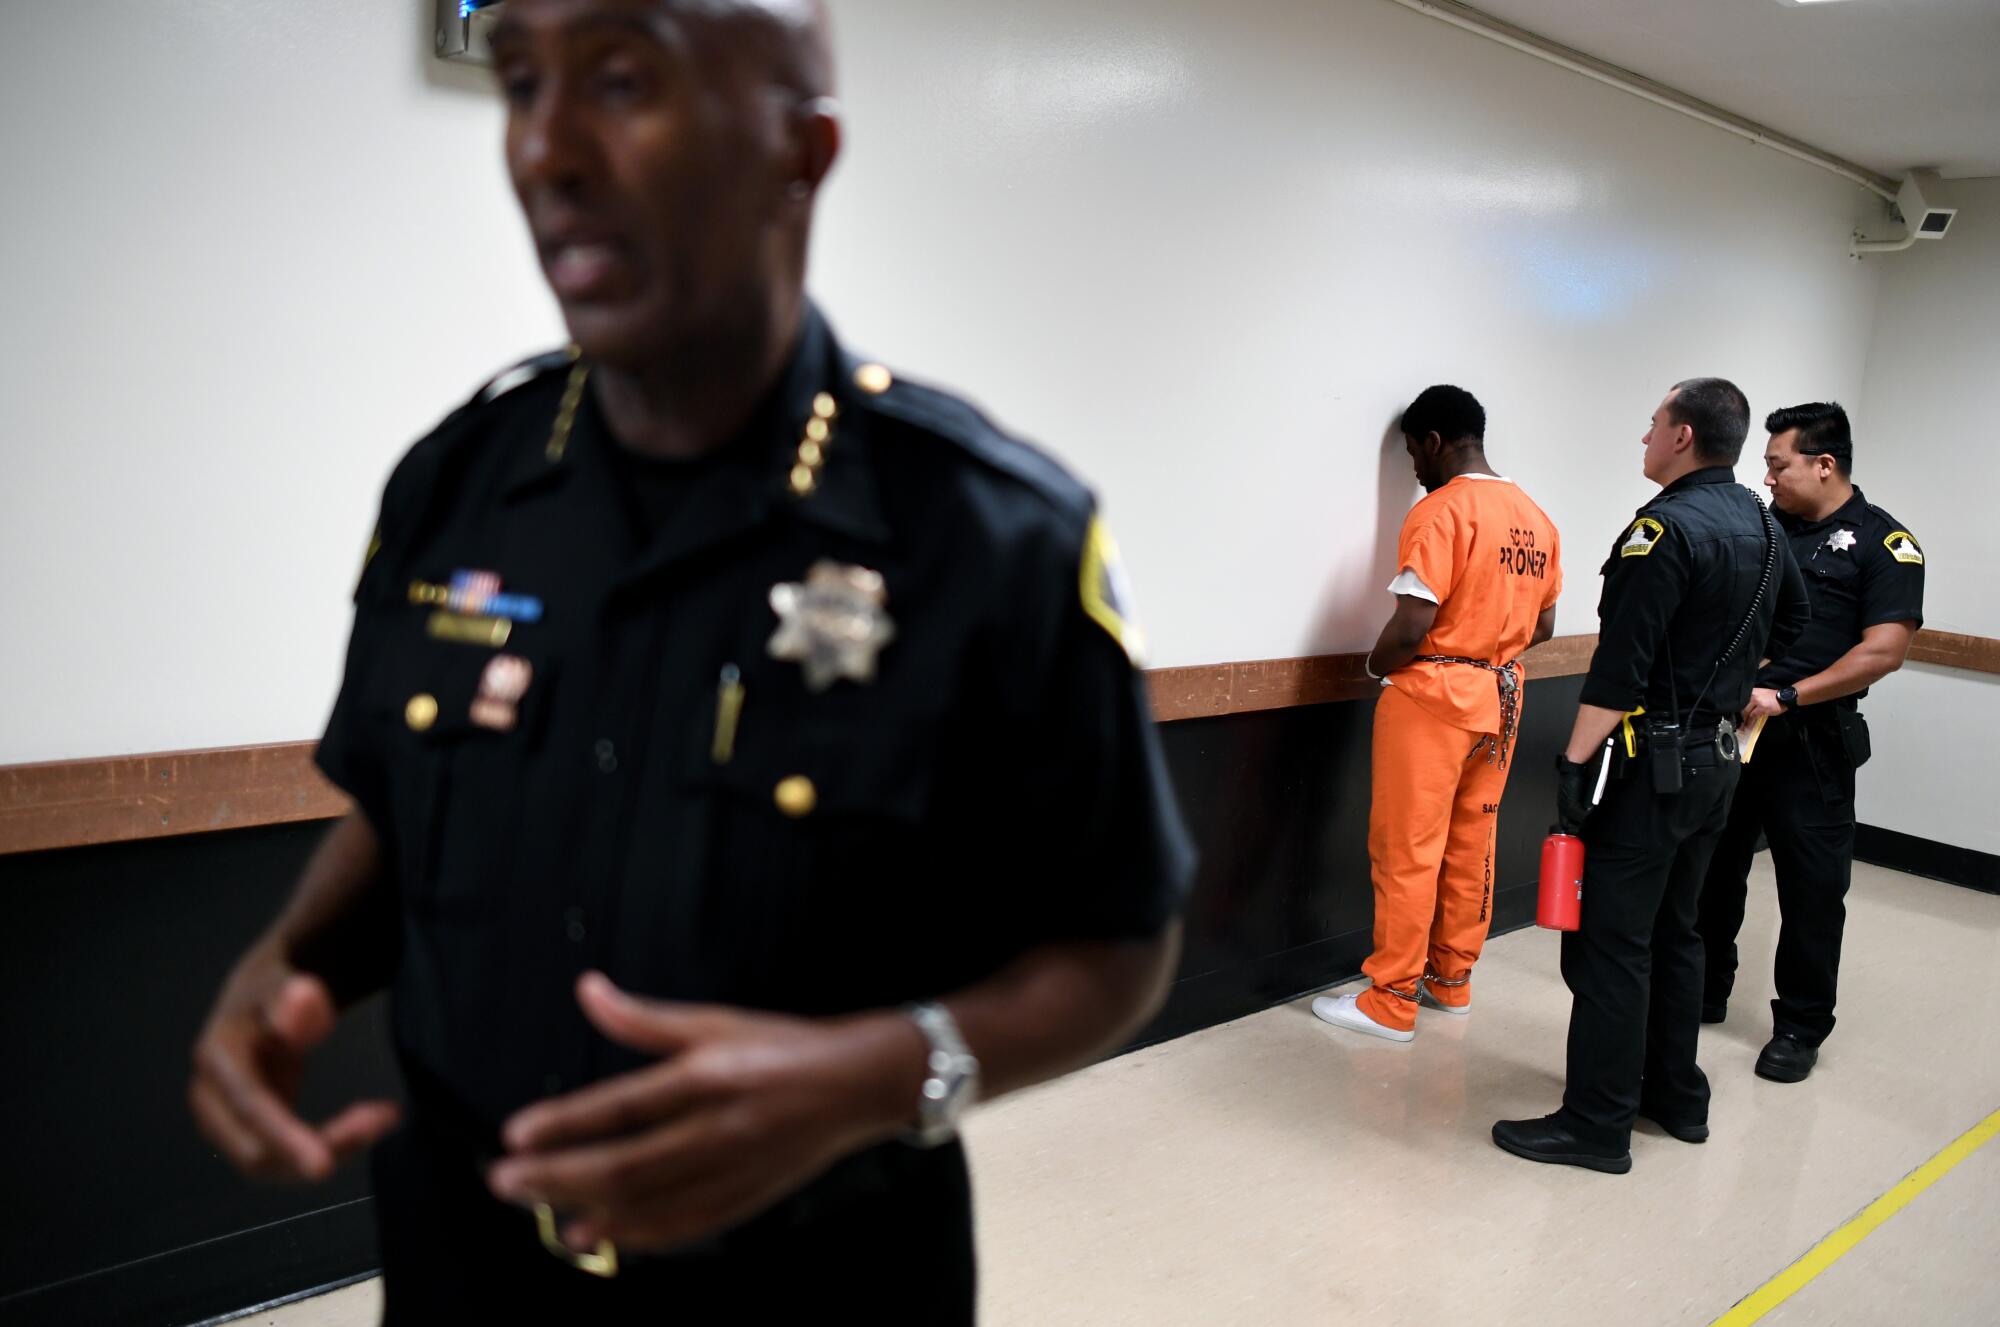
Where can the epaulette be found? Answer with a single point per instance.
(414, 484)
(1883, 516)
(523, 373)
(1100, 577)
(958, 422)
(458, 426)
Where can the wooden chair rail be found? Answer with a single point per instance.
(73, 803)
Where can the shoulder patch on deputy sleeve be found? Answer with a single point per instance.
(1107, 597)
(1902, 546)
(1639, 541)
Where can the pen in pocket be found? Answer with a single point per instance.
(728, 712)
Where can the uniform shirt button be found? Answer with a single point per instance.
(796, 797)
(421, 712)
(552, 1083)
(573, 925)
(607, 755)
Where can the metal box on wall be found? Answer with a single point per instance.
(462, 28)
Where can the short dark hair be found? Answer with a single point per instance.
(1718, 412)
(1452, 413)
(1823, 431)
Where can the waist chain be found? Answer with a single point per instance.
(1509, 675)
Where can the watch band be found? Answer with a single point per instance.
(953, 1080)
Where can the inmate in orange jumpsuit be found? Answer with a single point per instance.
(1490, 558)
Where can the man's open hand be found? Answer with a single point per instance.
(247, 1065)
(741, 1110)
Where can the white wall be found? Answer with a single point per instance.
(1204, 252)
(250, 251)
(1924, 450)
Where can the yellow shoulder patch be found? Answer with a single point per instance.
(1902, 546)
(1106, 596)
(1639, 541)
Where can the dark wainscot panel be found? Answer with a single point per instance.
(1928, 858)
(117, 1212)
(1278, 802)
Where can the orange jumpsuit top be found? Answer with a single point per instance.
(1491, 560)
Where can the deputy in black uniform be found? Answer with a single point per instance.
(748, 760)
(1696, 590)
(1864, 572)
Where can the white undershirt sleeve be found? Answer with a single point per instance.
(1407, 582)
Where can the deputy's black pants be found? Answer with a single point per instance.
(1799, 793)
(1633, 967)
(884, 1238)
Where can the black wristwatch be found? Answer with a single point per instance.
(1788, 697)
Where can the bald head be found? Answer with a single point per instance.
(793, 36)
(791, 39)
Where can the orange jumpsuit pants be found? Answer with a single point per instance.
(1431, 835)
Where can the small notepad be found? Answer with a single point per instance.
(1746, 738)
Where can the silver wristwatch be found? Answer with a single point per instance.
(953, 1081)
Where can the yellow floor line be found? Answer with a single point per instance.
(1830, 1250)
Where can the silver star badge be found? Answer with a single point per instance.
(834, 625)
(1840, 540)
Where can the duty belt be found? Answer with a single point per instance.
(1510, 698)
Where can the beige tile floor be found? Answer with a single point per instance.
(1278, 1171)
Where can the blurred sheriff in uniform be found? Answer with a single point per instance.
(748, 762)
(1697, 589)
(1864, 573)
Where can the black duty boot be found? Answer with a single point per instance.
(1685, 1131)
(1550, 1140)
(1786, 1060)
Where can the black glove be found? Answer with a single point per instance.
(1573, 789)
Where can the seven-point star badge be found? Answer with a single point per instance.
(1840, 540)
(834, 625)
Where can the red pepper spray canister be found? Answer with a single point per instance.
(1559, 903)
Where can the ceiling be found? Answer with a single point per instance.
(1887, 84)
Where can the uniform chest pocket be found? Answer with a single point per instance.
(809, 776)
(464, 721)
(1833, 571)
(816, 849)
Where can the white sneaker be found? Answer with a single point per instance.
(1340, 1011)
(1429, 1001)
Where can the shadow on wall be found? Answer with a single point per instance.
(1355, 603)
(1280, 803)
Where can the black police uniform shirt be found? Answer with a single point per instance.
(640, 787)
(1862, 568)
(1677, 586)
